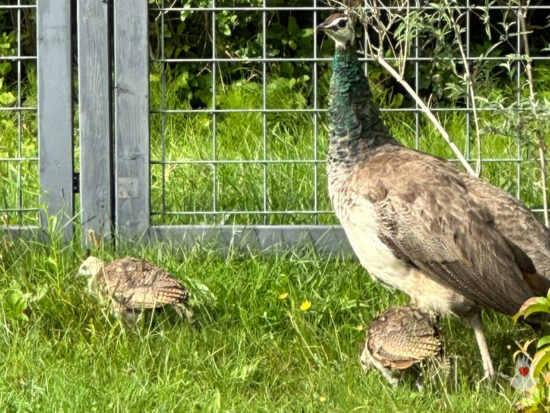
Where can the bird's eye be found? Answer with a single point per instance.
(342, 23)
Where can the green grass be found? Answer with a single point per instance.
(249, 350)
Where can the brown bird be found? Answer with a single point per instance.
(133, 285)
(399, 338)
(453, 242)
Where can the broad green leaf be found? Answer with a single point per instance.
(541, 359)
(7, 98)
(5, 68)
(533, 308)
(532, 305)
(543, 341)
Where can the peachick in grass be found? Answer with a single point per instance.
(454, 243)
(399, 338)
(134, 285)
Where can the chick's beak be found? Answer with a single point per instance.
(321, 26)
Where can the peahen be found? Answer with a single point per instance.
(454, 243)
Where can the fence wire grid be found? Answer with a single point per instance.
(238, 110)
(252, 150)
(19, 186)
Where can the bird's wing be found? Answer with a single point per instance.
(152, 297)
(427, 217)
(527, 236)
(401, 336)
(140, 284)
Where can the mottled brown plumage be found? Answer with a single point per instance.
(436, 223)
(398, 338)
(135, 284)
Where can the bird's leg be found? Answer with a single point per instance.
(420, 382)
(184, 311)
(477, 326)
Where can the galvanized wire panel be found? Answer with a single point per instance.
(19, 174)
(239, 136)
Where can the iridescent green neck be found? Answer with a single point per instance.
(355, 125)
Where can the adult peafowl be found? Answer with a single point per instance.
(454, 243)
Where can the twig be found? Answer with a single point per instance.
(165, 11)
(529, 71)
(470, 86)
(427, 112)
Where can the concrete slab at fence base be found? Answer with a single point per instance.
(326, 239)
(22, 233)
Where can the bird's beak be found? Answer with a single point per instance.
(321, 26)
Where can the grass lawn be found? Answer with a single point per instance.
(251, 348)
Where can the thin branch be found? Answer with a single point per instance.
(470, 86)
(427, 112)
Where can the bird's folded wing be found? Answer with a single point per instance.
(147, 297)
(520, 227)
(426, 216)
(138, 283)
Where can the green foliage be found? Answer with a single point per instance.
(18, 130)
(16, 304)
(539, 397)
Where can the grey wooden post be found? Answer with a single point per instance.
(55, 119)
(131, 96)
(94, 78)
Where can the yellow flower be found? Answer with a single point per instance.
(359, 327)
(305, 305)
(283, 296)
(323, 399)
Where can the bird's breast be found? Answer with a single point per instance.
(359, 219)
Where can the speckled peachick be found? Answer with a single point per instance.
(400, 338)
(133, 285)
(454, 243)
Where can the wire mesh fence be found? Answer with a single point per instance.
(239, 109)
(238, 106)
(19, 183)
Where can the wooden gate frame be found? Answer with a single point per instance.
(126, 198)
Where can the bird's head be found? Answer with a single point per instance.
(91, 267)
(339, 27)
